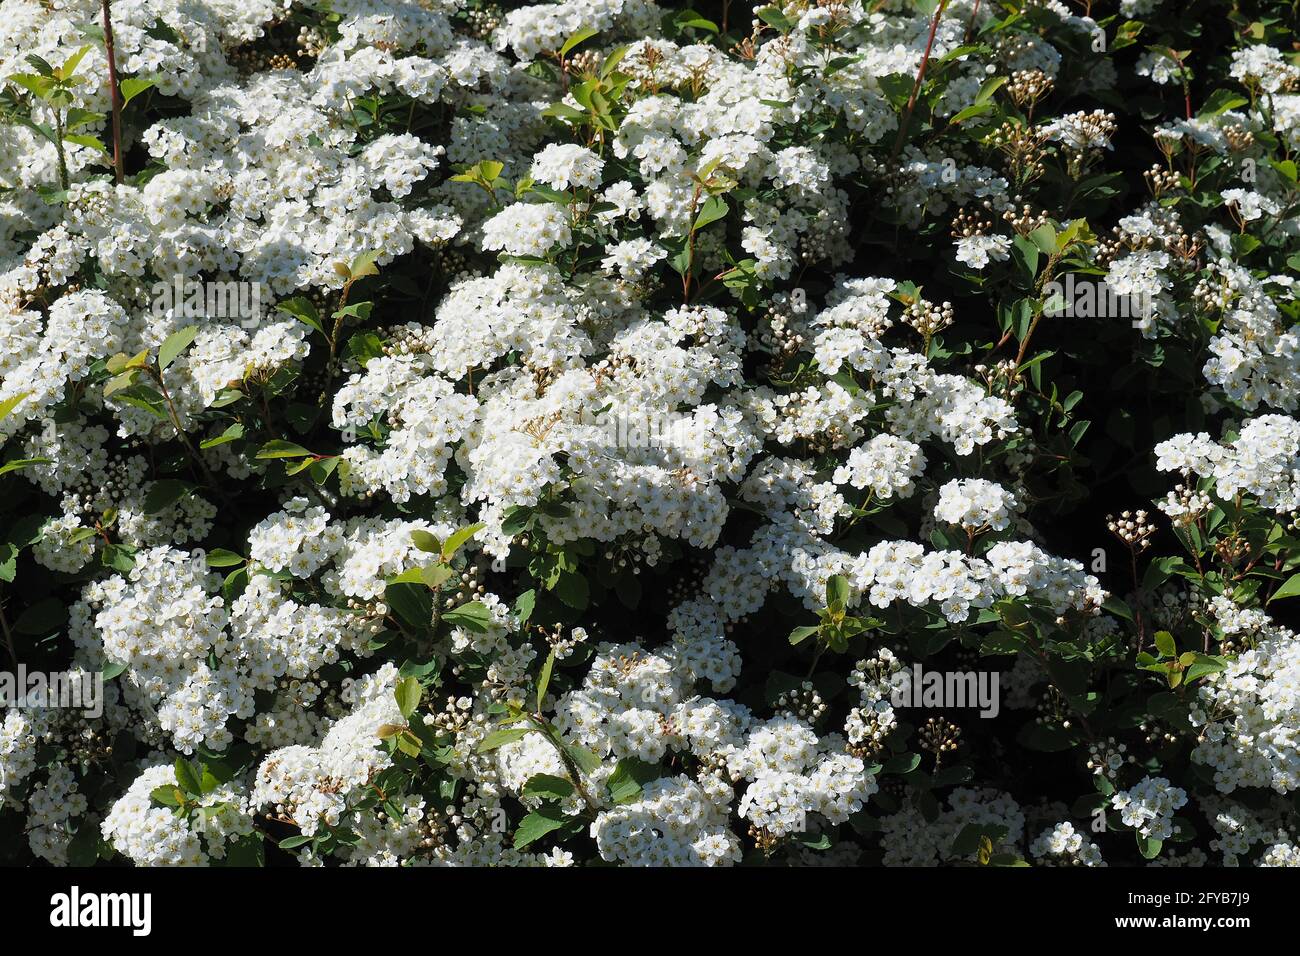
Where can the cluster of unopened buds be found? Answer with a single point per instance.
(1184, 505)
(928, 318)
(764, 839)
(1025, 220)
(803, 702)
(1157, 735)
(1027, 87)
(563, 645)
(583, 63)
(1107, 757)
(967, 224)
(1133, 528)
(1212, 294)
(1239, 138)
(1023, 147)
(1000, 371)
(469, 587)
(484, 21)
(939, 736)
(453, 717)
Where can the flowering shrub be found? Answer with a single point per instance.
(444, 434)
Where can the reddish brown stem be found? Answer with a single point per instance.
(1182, 77)
(920, 78)
(114, 93)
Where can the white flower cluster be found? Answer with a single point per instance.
(152, 835)
(311, 785)
(1148, 807)
(960, 585)
(1065, 845)
(1263, 460)
(975, 504)
(1248, 714)
(909, 839)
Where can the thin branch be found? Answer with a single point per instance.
(114, 93)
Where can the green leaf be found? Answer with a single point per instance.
(1118, 608)
(1220, 101)
(293, 842)
(544, 679)
(612, 61)
(223, 558)
(85, 139)
(587, 761)
(773, 17)
(167, 795)
(175, 344)
(901, 764)
(282, 449)
(364, 265)
(8, 561)
(687, 19)
(573, 590)
(1165, 644)
(69, 66)
(969, 838)
(537, 824)
(524, 605)
(408, 694)
(234, 584)
(409, 744)
(40, 64)
(356, 310)
(499, 738)
(713, 209)
(629, 778)
(141, 396)
(473, 616)
(1025, 253)
(112, 669)
(970, 112)
(9, 404)
(547, 786)
(83, 848)
(801, 634)
(365, 346)
(164, 493)
(457, 539)
(233, 433)
(516, 519)
(1149, 848)
(1203, 665)
(208, 781)
(1044, 237)
(1290, 588)
(42, 86)
(303, 310)
(411, 602)
(133, 87)
(426, 542)
(582, 35)
(837, 592)
(187, 778)
(248, 851)
(435, 575)
(17, 464)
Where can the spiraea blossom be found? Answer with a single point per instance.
(607, 432)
